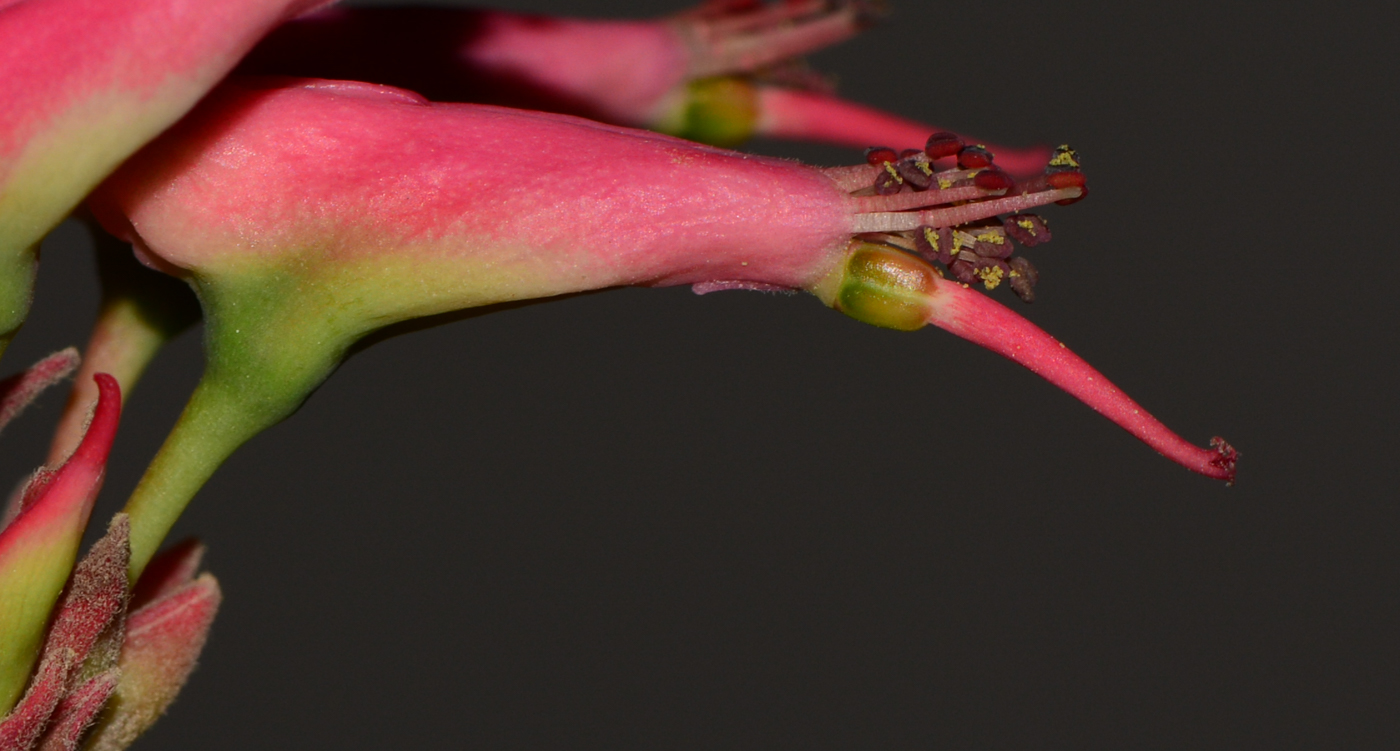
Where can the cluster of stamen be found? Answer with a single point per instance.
(952, 205)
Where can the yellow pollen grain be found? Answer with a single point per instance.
(925, 168)
(944, 183)
(995, 238)
(1064, 157)
(1026, 225)
(889, 167)
(991, 276)
(932, 238)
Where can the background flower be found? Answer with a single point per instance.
(680, 521)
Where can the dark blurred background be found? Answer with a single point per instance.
(645, 519)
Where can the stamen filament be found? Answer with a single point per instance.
(854, 177)
(912, 200)
(953, 216)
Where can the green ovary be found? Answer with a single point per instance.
(885, 287)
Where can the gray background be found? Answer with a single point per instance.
(645, 519)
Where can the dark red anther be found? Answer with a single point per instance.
(989, 263)
(943, 144)
(915, 172)
(991, 272)
(963, 271)
(878, 155)
(1028, 229)
(993, 178)
(974, 157)
(909, 152)
(1023, 278)
(988, 249)
(888, 182)
(1068, 179)
(934, 244)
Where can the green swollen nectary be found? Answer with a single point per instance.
(309, 213)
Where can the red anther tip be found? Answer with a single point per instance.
(1068, 179)
(878, 155)
(974, 157)
(993, 179)
(909, 152)
(943, 144)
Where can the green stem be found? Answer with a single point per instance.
(213, 425)
(267, 348)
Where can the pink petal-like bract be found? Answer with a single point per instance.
(163, 642)
(77, 712)
(170, 570)
(464, 204)
(38, 548)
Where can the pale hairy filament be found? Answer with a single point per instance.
(905, 201)
(904, 221)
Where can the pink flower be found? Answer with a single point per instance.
(87, 82)
(718, 73)
(310, 213)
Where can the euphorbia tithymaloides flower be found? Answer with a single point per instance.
(83, 84)
(309, 213)
(690, 75)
